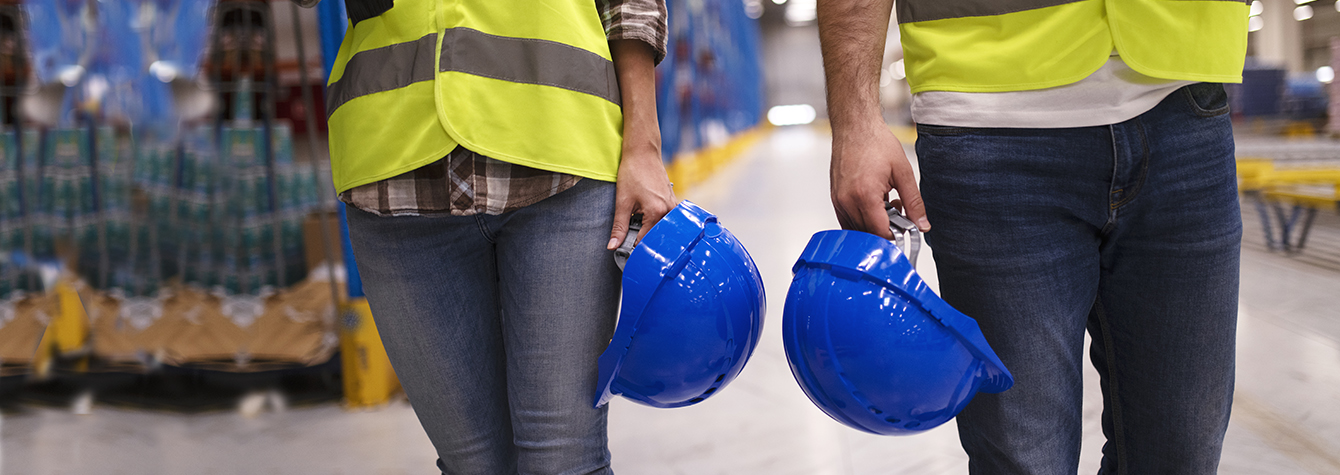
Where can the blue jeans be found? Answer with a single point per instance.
(494, 325)
(1130, 231)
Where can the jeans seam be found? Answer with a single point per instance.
(1118, 429)
(484, 229)
(1144, 168)
(1112, 187)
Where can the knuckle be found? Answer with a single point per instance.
(850, 197)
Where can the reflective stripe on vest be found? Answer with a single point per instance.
(532, 85)
(928, 10)
(1013, 45)
(473, 52)
(922, 10)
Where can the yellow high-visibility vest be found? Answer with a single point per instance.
(531, 84)
(1017, 45)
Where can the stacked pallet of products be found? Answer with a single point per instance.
(182, 236)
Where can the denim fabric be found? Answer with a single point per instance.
(1129, 231)
(494, 324)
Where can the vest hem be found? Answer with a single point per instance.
(1181, 76)
(1119, 43)
(1006, 87)
(549, 167)
(411, 166)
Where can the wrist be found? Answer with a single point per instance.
(858, 130)
(641, 151)
(642, 139)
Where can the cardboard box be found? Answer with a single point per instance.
(313, 250)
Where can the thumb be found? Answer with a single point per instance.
(622, 213)
(913, 207)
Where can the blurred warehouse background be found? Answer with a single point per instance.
(169, 237)
(170, 242)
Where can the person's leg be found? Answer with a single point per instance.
(559, 294)
(1016, 216)
(1164, 327)
(432, 287)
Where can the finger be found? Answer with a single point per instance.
(910, 197)
(843, 217)
(648, 221)
(652, 215)
(851, 209)
(875, 219)
(896, 203)
(623, 211)
(647, 224)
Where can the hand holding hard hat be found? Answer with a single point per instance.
(872, 345)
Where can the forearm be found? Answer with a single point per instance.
(643, 187)
(634, 66)
(851, 35)
(868, 161)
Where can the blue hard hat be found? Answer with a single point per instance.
(692, 313)
(873, 346)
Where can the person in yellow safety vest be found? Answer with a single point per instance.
(1076, 161)
(490, 155)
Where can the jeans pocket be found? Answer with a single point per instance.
(1207, 99)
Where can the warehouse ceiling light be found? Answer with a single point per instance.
(1302, 13)
(799, 114)
(1257, 8)
(1300, 2)
(1337, 5)
(1325, 74)
(1255, 23)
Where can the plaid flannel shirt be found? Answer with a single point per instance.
(465, 183)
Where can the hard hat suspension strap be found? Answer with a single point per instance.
(906, 231)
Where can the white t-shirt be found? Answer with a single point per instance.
(1115, 93)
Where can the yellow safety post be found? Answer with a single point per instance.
(66, 333)
(368, 377)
